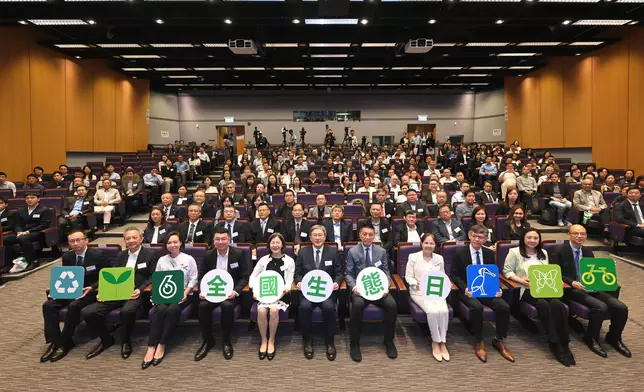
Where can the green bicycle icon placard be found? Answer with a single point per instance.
(598, 274)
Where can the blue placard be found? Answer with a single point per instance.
(483, 280)
(66, 282)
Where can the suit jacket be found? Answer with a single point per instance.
(313, 212)
(68, 205)
(563, 256)
(433, 209)
(237, 267)
(114, 197)
(624, 213)
(176, 212)
(272, 226)
(203, 232)
(146, 264)
(386, 235)
(284, 211)
(401, 233)
(208, 211)
(389, 209)
(148, 233)
(330, 262)
(8, 219)
(240, 231)
(93, 262)
(463, 258)
(288, 230)
(39, 220)
(547, 189)
(481, 198)
(346, 231)
(581, 200)
(56, 185)
(462, 159)
(137, 186)
(517, 233)
(356, 262)
(427, 197)
(442, 235)
(421, 209)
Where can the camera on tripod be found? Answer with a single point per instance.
(302, 132)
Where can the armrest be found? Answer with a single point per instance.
(343, 286)
(566, 286)
(575, 216)
(246, 288)
(508, 282)
(454, 287)
(617, 231)
(294, 286)
(392, 285)
(52, 236)
(399, 282)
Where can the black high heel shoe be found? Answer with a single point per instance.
(262, 354)
(145, 365)
(157, 361)
(270, 356)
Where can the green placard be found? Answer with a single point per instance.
(598, 274)
(115, 284)
(167, 287)
(545, 281)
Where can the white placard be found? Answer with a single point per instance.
(317, 286)
(165, 134)
(372, 283)
(496, 132)
(216, 285)
(435, 284)
(268, 287)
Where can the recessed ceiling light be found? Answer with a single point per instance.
(485, 67)
(288, 68)
(280, 45)
(364, 21)
(159, 21)
(219, 45)
(228, 21)
(118, 46)
(472, 75)
(57, 22)
(134, 69)
(249, 68)
(577, 54)
(91, 21)
(71, 46)
(140, 56)
(367, 68)
(296, 21)
(487, 44)
(378, 44)
(328, 55)
(522, 67)
(538, 43)
(174, 85)
(565, 22)
(516, 54)
(388, 84)
(329, 45)
(133, 77)
(331, 21)
(327, 76)
(602, 22)
(569, 1)
(170, 69)
(499, 21)
(445, 68)
(22, 22)
(172, 45)
(432, 21)
(294, 85)
(633, 22)
(209, 68)
(183, 76)
(78, 57)
(202, 85)
(328, 68)
(586, 43)
(406, 68)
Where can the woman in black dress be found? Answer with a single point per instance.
(515, 227)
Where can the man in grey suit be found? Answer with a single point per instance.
(364, 255)
(466, 209)
(325, 258)
(321, 210)
(446, 228)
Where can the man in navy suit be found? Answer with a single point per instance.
(31, 221)
(629, 212)
(325, 258)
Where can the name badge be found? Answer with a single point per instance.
(161, 231)
(327, 215)
(420, 210)
(199, 233)
(235, 234)
(135, 185)
(90, 268)
(388, 215)
(234, 265)
(36, 215)
(270, 230)
(3, 220)
(170, 216)
(283, 268)
(179, 202)
(141, 265)
(457, 230)
(304, 234)
(86, 203)
(328, 263)
(377, 264)
(385, 230)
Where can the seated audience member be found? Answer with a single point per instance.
(321, 210)
(30, 222)
(413, 204)
(74, 207)
(112, 174)
(527, 185)
(387, 206)
(488, 171)
(273, 186)
(205, 160)
(412, 231)
(251, 210)
(479, 217)
(93, 261)
(105, 200)
(169, 174)
(383, 231)
(557, 193)
(457, 184)
(87, 174)
(367, 188)
(157, 230)
(8, 218)
(167, 316)
(131, 189)
(33, 183)
(162, 163)
(4, 184)
(476, 254)
(603, 305)
(195, 165)
(441, 199)
(263, 227)
(367, 254)
(207, 209)
(447, 177)
(296, 229)
(286, 209)
(575, 177)
(57, 181)
(465, 209)
(337, 229)
(183, 198)
(640, 183)
(552, 313)
(169, 209)
(508, 179)
(38, 172)
(287, 179)
(511, 200)
(436, 310)
(155, 184)
(546, 177)
(447, 229)
(487, 195)
(64, 171)
(430, 196)
(230, 191)
(209, 188)
(516, 225)
(551, 162)
(459, 196)
(195, 230)
(183, 169)
(629, 212)
(76, 182)
(297, 186)
(348, 185)
(106, 176)
(592, 203)
(238, 231)
(629, 178)
(609, 184)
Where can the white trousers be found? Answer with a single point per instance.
(107, 213)
(437, 316)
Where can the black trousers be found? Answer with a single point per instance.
(155, 195)
(26, 247)
(165, 320)
(94, 316)
(526, 199)
(603, 217)
(131, 202)
(553, 315)
(67, 225)
(386, 303)
(602, 305)
(50, 310)
(305, 316)
(227, 318)
(500, 308)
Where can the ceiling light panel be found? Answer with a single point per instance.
(134, 69)
(602, 22)
(71, 46)
(378, 44)
(249, 68)
(331, 21)
(367, 68)
(174, 85)
(329, 45)
(57, 22)
(328, 76)
(211, 45)
(329, 55)
(630, 1)
(209, 69)
(358, 84)
(406, 68)
(280, 45)
(118, 46)
(294, 85)
(487, 44)
(569, 1)
(445, 68)
(483, 68)
(538, 43)
(444, 44)
(170, 69)
(182, 76)
(172, 45)
(517, 67)
(140, 56)
(516, 54)
(490, 1)
(586, 43)
(328, 68)
(472, 75)
(288, 68)
(202, 85)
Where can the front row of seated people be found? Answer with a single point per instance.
(551, 312)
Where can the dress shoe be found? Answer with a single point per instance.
(105, 228)
(500, 347)
(619, 346)
(228, 350)
(330, 352)
(354, 353)
(99, 348)
(262, 354)
(308, 349)
(390, 349)
(126, 350)
(60, 353)
(47, 355)
(157, 361)
(203, 350)
(437, 356)
(559, 354)
(445, 355)
(270, 356)
(480, 351)
(595, 347)
(145, 365)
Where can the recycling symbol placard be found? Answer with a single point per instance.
(66, 282)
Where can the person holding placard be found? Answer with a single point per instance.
(436, 309)
(552, 312)
(227, 258)
(284, 265)
(362, 256)
(327, 259)
(167, 316)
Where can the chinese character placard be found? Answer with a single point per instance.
(268, 287)
(435, 284)
(317, 286)
(372, 283)
(216, 285)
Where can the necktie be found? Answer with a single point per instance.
(489, 197)
(382, 211)
(297, 233)
(263, 227)
(229, 229)
(317, 258)
(368, 257)
(478, 257)
(637, 214)
(577, 257)
(79, 260)
(191, 232)
(166, 212)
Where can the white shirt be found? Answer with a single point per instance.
(458, 198)
(222, 261)
(131, 257)
(412, 235)
(443, 180)
(183, 262)
(155, 236)
(473, 255)
(448, 225)
(639, 210)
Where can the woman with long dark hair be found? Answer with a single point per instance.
(157, 230)
(516, 224)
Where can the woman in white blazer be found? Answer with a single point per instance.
(551, 311)
(436, 309)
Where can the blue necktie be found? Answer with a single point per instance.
(577, 256)
(368, 257)
(478, 258)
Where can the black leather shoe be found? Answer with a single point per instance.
(99, 348)
(145, 365)
(126, 350)
(47, 355)
(619, 346)
(330, 352)
(157, 361)
(262, 354)
(594, 346)
(105, 228)
(391, 350)
(354, 353)
(559, 354)
(570, 355)
(228, 350)
(308, 349)
(203, 350)
(60, 353)
(270, 356)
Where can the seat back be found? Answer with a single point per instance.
(550, 245)
(198, 252)
(321, 188)
(361, 196)
(396, 223)
(466, 221)
(307, 198)
(56, 192)
(242, 211)
(20, 193)
(491, 208)
(429, 224)
(353, 210)
(502, 249)
(110, 251)
(499, 222)
(6, 193)
(609, 197)
(334, 198)
(246, 248)
(447, 251)
(403, 256)
(53, 201)
(262, 250)
(16, 203)
(277, 198)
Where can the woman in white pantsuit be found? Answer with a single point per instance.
(436, 309)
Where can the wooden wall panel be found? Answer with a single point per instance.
(636, 102)
(551, 94)
(79, 106)
(577, 103)
(141, 105)
(124, 118)
(104, 110)
(531, 112)
(512, 101)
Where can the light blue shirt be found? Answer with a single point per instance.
(78, 206)
(488, 168)
(150, 179)
(336, 231)
(181, 166)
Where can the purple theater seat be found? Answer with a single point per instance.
(16, 203)
(502, 249)
(447, 251)
(491, 208)
(113, 317)
(306, 198)
(488, 313)
(334, 198)
(110, 251)
(396, 223)
(466, 221)
(6, 193)
(283, 315)
(277, 199)
(56, 192)
(198, 251)
(429, 224)
(321, 188)
(241, 210)
(173, 224)
(361, 196)
(353, 210)
(609, 197)
(53, 201)
(20, 193)
(500, 221)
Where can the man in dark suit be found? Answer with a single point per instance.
(487, 195)
(207, 209)
(230, 191)
(413, 204)
(411, 231)
(93, 261)
(171, 210)
(384, 233)
(231, 259)
(387, 207)
(441, 198)
(326, 258)
(338, 230)
(296, 229)
(602, 304)
(195, 230)
(8, 218)
(238, 231)
(476, 254)
(629, 212)
(143, 261)
(462, 160)
(57, 181)
(74, 207)
(286, 210)
(446, 228)
(265, 226)
(31, 221)
(557, 192)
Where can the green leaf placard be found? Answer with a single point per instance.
(115, 284)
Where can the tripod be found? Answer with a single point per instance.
(347, 140)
